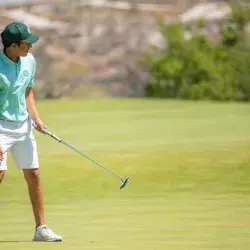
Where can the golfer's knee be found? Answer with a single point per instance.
(2, 174)
(32, 175)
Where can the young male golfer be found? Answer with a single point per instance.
(17, 108)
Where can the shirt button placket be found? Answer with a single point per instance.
(17, 71)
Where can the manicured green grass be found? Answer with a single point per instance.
(189, 164)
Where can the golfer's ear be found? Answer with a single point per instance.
(15, 45)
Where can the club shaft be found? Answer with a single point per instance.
(76, 150)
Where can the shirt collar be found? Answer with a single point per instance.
(8, 61)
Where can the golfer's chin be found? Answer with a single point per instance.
(24, 54)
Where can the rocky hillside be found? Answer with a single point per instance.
(92, 48)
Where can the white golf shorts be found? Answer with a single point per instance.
(18, 139)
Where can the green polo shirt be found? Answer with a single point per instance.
(15, 78)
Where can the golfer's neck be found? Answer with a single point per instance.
(9, 53)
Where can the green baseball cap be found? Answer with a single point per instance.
(17, 32)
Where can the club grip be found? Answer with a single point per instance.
(47, 132)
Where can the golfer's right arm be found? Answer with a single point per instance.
(1, 154)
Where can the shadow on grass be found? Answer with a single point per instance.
(24, 241)
(16, 241)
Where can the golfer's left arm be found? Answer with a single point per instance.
(31, 105)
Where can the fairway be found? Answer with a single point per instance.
(189, 164)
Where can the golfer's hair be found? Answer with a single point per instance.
(6, 43)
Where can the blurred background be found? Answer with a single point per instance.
(162, 48)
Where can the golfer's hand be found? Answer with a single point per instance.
(39, 125)
(1, 154)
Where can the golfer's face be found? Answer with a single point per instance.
(24, 48)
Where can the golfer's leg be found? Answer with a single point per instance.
(6, 142)
(25, 156)
(32, 177)
(3, 165)
(2, 174)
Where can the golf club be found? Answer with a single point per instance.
(124, 180)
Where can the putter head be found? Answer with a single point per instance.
(124, 183)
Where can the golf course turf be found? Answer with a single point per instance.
(189, 166)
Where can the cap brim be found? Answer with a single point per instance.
(32, 38)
